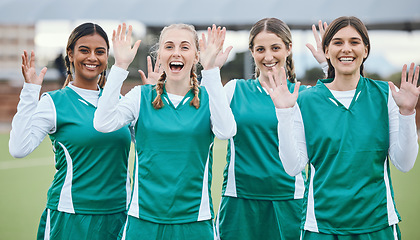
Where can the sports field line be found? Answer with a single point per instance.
(26, 163)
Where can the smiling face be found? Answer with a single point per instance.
(269, 51)
(89, 58)
(178, 54)
(346, 52)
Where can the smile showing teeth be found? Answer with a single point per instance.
(348, 59)
(90, 66)
(176, 66)
(270, 64)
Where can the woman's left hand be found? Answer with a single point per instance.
(123, 52)
(211, 51)
(407, 96)
(318, 53)
(278, 90)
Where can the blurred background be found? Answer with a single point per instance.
(44, 26)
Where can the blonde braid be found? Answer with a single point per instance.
(290, 66)
(158, 103)
(194, 82)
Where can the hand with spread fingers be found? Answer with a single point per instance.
(153, 75)
(318, 53)
(29, 71)
(407, 96)
(278, 90)
(123, 52)
(211, 50)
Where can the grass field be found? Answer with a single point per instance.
(24, 184)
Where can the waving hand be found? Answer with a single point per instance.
(211, 50)
(406, 98)
(318, 53)
(123, 52)
(278, 90)
(29, 71)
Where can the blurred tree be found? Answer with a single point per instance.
(311, 76)
(234, 68)
(374, 76)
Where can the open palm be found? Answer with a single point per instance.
(29, 71)
(278, 90)
(406, 98)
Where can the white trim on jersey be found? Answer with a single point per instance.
(47, 226)
(231, 183)
(217, 220)
(394, 227)
(204, 212)
(299, 186)
(128, 184)
(124, 234)
(65, 204)
(134, 205)
(392, 214)
(311, 223)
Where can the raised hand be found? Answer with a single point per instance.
(318, 53)
(123, 52)
(408, 95)
(278, 90)
(211, 51)
(29, 71)
(153, 75)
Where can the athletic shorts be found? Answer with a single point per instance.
(138, 229)
(243, 219)
(388, 233)
(55, 225)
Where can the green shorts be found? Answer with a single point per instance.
(244, 219)
(138, 229)
(68, 226)
(388, 233)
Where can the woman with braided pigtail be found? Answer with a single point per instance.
(85, 200)
(175, 123)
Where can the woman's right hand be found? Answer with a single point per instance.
(278, 90)
(29, 71)
(123, 52)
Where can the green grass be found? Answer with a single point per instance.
(24, 184)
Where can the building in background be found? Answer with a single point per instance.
(14, 38)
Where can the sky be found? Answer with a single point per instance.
(389, 49)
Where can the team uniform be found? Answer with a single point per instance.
(172, 179)
(348, 139)
(259, 199)
(89, 195)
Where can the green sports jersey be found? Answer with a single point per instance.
(254, 169)
(92, 175)
(172, 178)
(349, 189)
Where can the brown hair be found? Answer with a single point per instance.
(82, 30)
(157, 102)
(280, 28)
(336, 26)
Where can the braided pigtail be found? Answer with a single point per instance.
(102, 79)
(194, 82)
(290, 68)
(158, 103)
(68, 70)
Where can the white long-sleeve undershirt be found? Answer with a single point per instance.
(113, 113)
(403, 146)
(35, 119)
